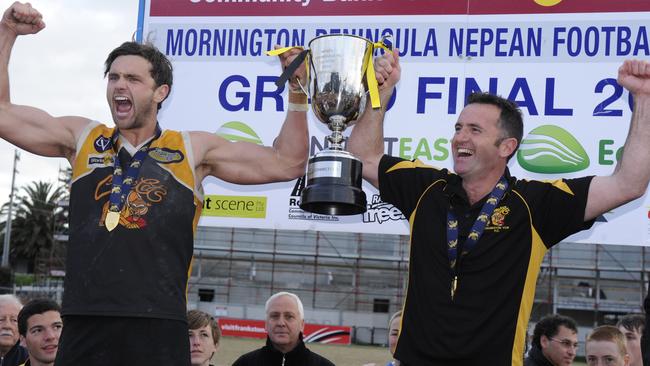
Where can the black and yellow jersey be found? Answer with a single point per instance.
(486, 322)
(141, 268)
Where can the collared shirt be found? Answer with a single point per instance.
(488, 317)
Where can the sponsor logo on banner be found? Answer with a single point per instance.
(102, 143)
(166, 156)
(238, 131)
(296, 213)
(247, 207)
(100, 161)
(380, 211)
(385, 7)
(548, 2)
(313, 333)
(551, 149)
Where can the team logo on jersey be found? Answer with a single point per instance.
(165, 155)
(102, 143)
(498, 219)
(100, 161)
(145, 193)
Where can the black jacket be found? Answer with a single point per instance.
(269, 356)
(16, 356)
(536, 358)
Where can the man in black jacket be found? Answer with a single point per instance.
(11, 352)
(555, 342)
(285, 321)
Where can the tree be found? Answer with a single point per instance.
(37, 212)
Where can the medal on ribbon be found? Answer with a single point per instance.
(477, 230)
(122, 184)
(112, 219)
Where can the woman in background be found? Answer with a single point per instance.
(204, 335)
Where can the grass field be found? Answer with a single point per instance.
(231, 348)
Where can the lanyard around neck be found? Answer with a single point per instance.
(122, 184)
(475, 234)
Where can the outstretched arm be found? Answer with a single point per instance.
(632, 174)
(366, 141)
(26, 127)
(248, 163)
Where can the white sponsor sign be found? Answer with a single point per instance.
(559, 65)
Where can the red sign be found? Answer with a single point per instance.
(387, 7)
(319, 333)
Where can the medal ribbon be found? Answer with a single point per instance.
(122, 185)
(475, 234)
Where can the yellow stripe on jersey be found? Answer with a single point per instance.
(537, 252)
(561, 185)
(407, 164)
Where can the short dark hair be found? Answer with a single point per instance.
(511, 122)
(36, 306)
(632, 322)
(161, 68)
(549, 325)
(198, 319)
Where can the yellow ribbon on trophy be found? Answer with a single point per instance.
(373, 87)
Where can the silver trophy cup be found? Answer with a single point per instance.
(338, 90)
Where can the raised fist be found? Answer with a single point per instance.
(22, 19)
(634, 75)
(388, 70)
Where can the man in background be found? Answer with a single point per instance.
(606, 346)
(285, 321)
(632, 326)
(39, 325)
(555, 342)
(11, 352)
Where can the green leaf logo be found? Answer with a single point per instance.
(550, 149)
(238, 131)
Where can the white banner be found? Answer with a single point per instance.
(559, 63)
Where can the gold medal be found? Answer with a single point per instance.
(112, 219)
(454, 284)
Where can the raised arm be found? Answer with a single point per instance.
(26, 127)
(248, 163)
(366, 141)
(630, 178)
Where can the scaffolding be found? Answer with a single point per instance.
(593, 283)
(328, 270)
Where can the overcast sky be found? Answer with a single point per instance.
(60, 70)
